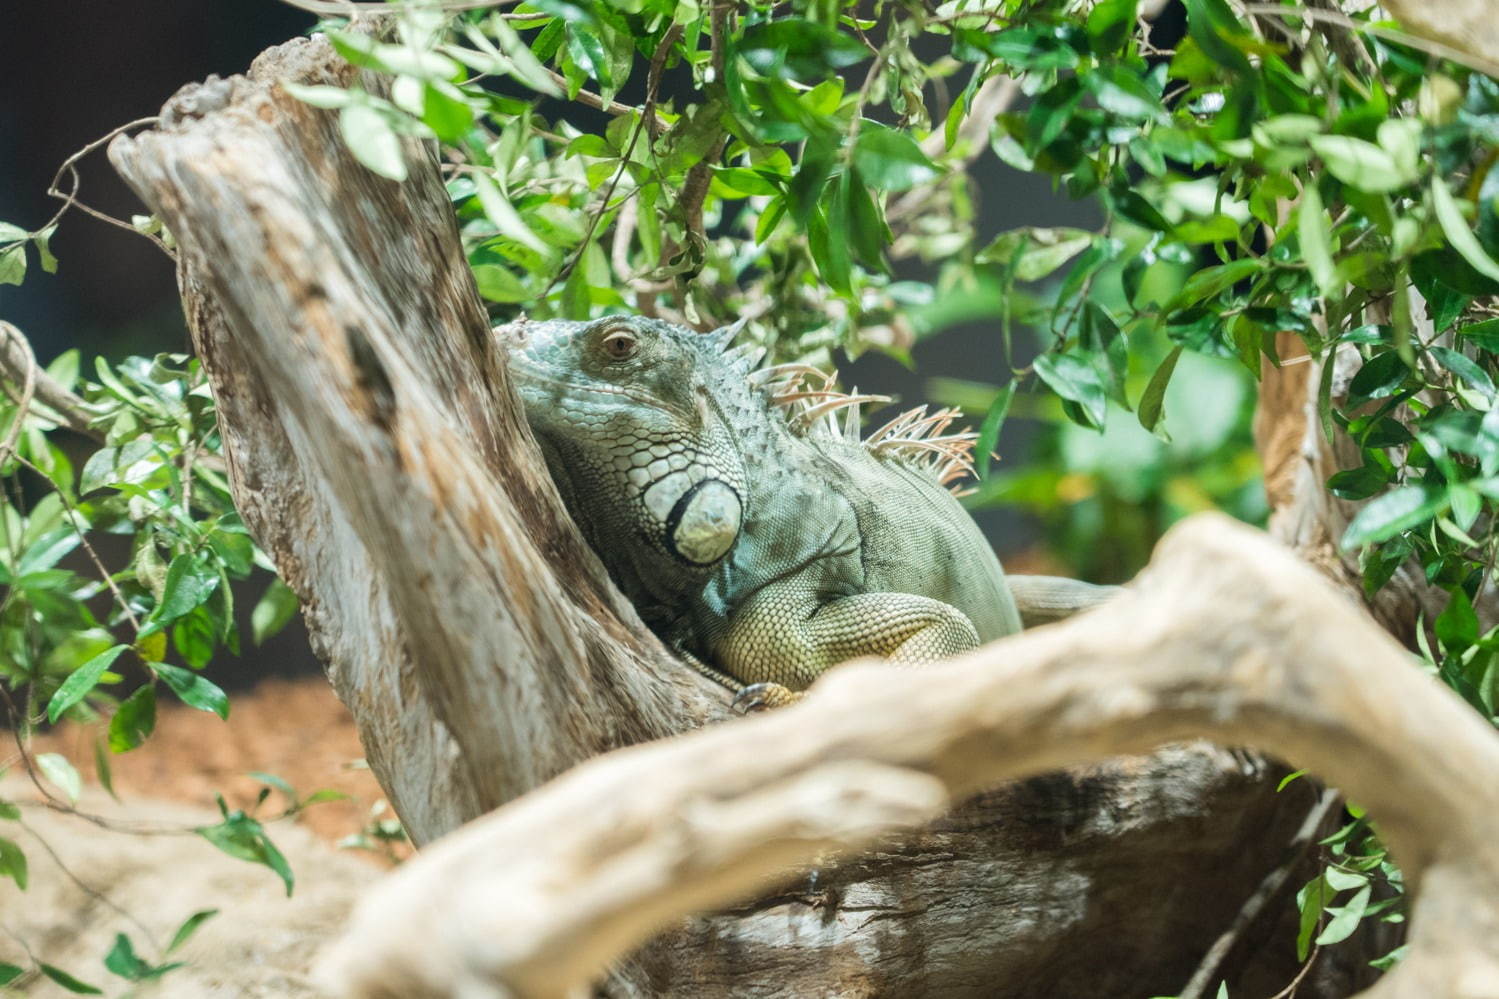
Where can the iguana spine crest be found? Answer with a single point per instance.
(811, 400)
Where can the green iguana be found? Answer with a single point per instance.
(755, 532)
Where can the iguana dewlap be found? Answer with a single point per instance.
(752, 528)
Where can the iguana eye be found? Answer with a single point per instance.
(620, 345)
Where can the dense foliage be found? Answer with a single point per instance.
(1267, 176)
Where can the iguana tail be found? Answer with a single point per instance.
(1043, 599)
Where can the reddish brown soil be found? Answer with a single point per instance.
(294, 729)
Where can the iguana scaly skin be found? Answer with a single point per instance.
(753, 531)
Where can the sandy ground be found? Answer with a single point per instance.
(262, 943)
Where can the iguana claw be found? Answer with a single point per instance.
(764, 696)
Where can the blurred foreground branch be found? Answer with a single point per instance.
(1226, 635)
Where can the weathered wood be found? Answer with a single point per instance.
(1225, 635)
(378, 453)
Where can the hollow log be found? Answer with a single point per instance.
(378, 453)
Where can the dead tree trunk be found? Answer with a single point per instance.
(378, 453)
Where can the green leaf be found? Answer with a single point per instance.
(867, 232)
(1457, 625)
(1123, 92)
(13, 264)
(1395, 511)
(81, 681)
(56, 768)
(445, 111)
(1357, 483)
(1311, 900)
(1359, 164)
(1288, 779)
(1484, 335)
(319, 96)
(497, 209)
(524, 65)
(1465, 368)
(1345, 919)
(1316, 241)
(189, 927)
(68, 982)
(1379, 377)
(134, 720)
(891, 160)
(123, 961)
(1401, 138)
(43, 243)
(195, 637)
(244, 838)
(1044, 250)
(1050, 112)
(10, 972)
(195, 689)
(1152, 402)
(794, 48)
(994, 419)
(1074, 379)
(825, 237)
(190, 581)
(1212, 25)
(1132, 206)
(499, 284)
(102, 770)
(13, 863)
(587, 50)
(1210, 281)
(1287, 130)
(47, 550)
(372, 141)
(954, 120)
(1455, 227)
(1109, 24)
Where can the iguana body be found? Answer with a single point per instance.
(752, 529)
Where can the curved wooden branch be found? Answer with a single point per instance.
(1225, 636)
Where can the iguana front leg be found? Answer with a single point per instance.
(783, 638)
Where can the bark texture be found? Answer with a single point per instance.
(378, 453)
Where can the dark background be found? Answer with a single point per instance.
(73, 70)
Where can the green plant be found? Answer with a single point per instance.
(1306, 172)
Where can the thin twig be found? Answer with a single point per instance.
(70, 198)
(1289, 991)
(18, 364)
(28, 389)
(596, 101)
(993, 97)
(1311, 826)
(104, 573)
(91, 891)
(653, 82)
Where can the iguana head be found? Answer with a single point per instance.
(628, 411)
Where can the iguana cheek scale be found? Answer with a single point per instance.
(756, 533)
